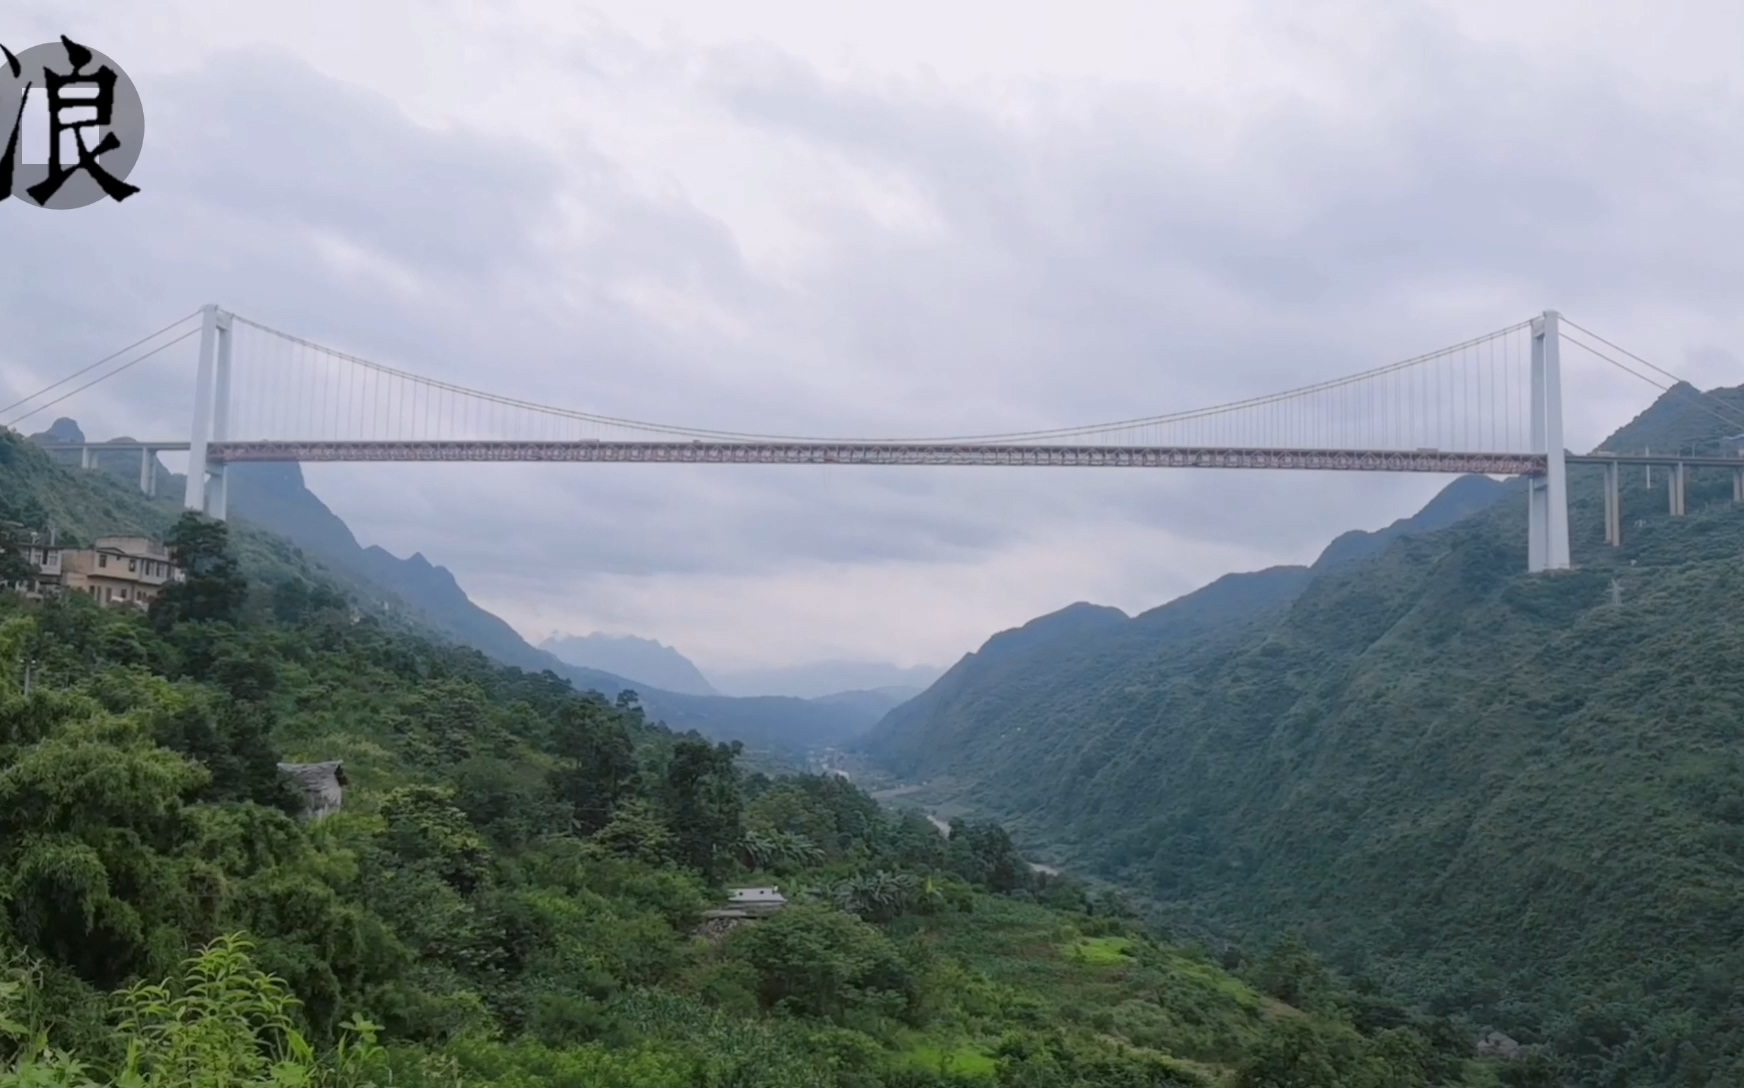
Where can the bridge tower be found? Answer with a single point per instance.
(206, 485)
(1547, 496)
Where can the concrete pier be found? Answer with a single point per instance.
(1613, 505)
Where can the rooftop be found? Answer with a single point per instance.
(755, 898)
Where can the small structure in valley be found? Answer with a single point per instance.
(743, 905)
(323, 784)
(754, 902)
(746, 903)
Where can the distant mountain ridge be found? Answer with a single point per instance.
(274, 496)
(666, 668)
(640, 660)
(821, 678)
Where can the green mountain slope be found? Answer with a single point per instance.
(275, 497)
(1510, 796)
(515, 888)
(1037, 673)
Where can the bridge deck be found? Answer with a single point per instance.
(881, 453)
(897, 453)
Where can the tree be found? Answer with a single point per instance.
(232, 740)
(222, 1021)
(983, 853)
(635, 832)
(817, 962)
(92, 875)
(16, 567)
(703, 806)
(599, 762)
(20, 521)
(1293, 1052)
(1292, 973)
(213, 588)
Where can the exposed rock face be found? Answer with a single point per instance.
(322, 783)
(744, 907)
(717, 924)
(1497, 1045)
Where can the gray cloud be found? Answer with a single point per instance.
(1086, 260)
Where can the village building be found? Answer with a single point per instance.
(755, 901)
(125, 571)
(744, 906)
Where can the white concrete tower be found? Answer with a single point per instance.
(211, 414)
(1547, 502)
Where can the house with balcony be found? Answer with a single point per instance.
(124, 571)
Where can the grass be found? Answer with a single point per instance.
(959, 1058)
(1100, 951)
(1016, 963)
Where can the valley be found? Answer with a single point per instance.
(1502, 799)
(871, 545)
(515, 881)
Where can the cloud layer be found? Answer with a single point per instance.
(894, 220)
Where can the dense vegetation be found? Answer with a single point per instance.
(1510, 798)
(512, 894)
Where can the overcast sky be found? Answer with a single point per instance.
(899, 217)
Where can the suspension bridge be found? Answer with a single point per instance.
(1490, 405)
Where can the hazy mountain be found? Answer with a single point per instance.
(873, 704)
(641, 660)
(61, 430)
(825, 678)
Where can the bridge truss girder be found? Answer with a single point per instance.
(884, 453)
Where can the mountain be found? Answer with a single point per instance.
(275, 498)
(826, 678)
(1458, 500)
(1512, 797)
(274, 495)
(872, 705)
(61, 430)
(1031, 676)
(643, 661)
(1047, 661)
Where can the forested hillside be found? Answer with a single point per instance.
(1041, 669)
(1511, 797)
(512, 891)
(275, 497)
